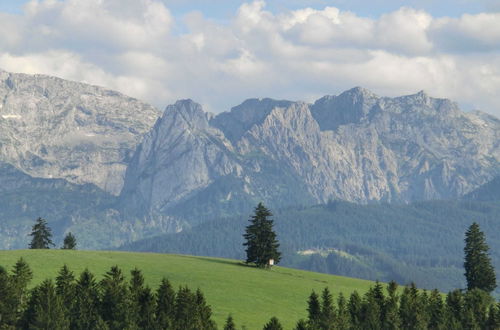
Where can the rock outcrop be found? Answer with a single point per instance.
(54, 128)
(356, 146)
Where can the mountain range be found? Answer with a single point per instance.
(125, 170)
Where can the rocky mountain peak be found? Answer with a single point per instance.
(242, 117)
(55, 128)
(351, 106)
(186, 113)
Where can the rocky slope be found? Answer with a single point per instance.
(54, 128)
(356, 146)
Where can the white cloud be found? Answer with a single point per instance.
(138, 47)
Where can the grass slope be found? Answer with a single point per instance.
(251, 295)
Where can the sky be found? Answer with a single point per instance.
(221, 52)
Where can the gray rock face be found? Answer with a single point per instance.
(54, 128)
(356, 146)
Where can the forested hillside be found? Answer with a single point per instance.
(421, 242)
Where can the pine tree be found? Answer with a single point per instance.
(165, 305)
(65, 287)
(48, 312)
(261, 242)
(454, 309)
(69, 242)
(186, 316)
(136, 288)
(85, 313)
(355, 310)
(147, 306)
(479, 271)
(370, 312)
(314, 311)
(476, 303)
(20, 278)
(204, 312)
(391, 319)
(411, 310)
(114, 304)
(494, 317)
(8, 301)
(436, 311)
(229, 323)
(327, 317)
(273, 324)
(41, 234)
(342, 318)
(302, 325)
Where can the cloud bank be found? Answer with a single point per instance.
(140, 48)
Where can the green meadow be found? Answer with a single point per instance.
(251, 295)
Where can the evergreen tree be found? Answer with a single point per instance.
(479, 271)
(69, 242)
(327, 318)
(314, 311)
(494, 317)
(41, 234)
(65, 287)
(8, 301)
(273, 324)
(229, 324)
(436, 311)
(342, 318)
(454, 309)
(355, 310)
(20, 278)
(147, 306)
(260, 237)
(48, 312)
(301, 325)
(391, 319)
(165, 305)
(204, 312)
(136, 289)
(114, 304)
(85, 313)
(186, 313)
(370, 312)
(411, 309)
(476, 304)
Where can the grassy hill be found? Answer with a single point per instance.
(251, 295)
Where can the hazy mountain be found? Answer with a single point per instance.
(115, 169)
(356, 147)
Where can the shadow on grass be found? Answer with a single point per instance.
(223, 261)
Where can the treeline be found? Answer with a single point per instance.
(420, 242)
(411, 309)
(85, 303)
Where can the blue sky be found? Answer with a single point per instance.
(220, 52)
(224, 9)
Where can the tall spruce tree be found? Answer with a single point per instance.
(20, 278)
(8, 301)
(165, 305)
(41, 235)
(65, 287)
(313, 311)
(479, 271)
(85, 312)
(261, 242)
(115, 300)
(327, 318)
(48, 311)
